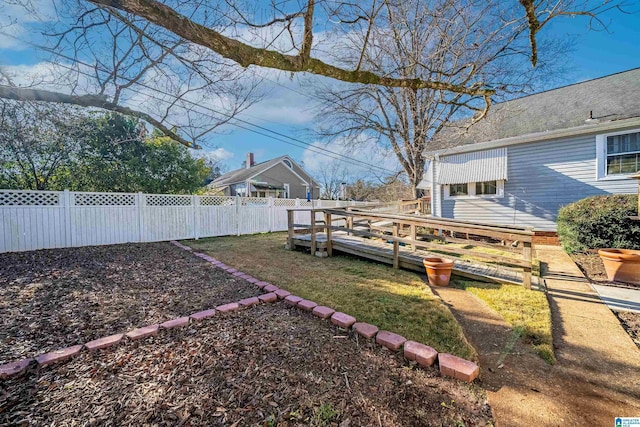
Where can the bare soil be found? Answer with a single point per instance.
(268, 365)
(51, 299)
(591, 265)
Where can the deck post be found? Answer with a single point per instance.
(412, 228)
(349, 225)
(396, 245)
(314, 246)
(290, 244)
(527, 256)
(327, 222)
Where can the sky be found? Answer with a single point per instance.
(289, 109)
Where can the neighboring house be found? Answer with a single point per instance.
(535, 154)
(280, 177)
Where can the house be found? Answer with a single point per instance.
(280, 177)
(535, 154)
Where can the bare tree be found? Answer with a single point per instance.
(332, 176)
(181, 51)
(104, 58)
(162, 60)
(427, 40)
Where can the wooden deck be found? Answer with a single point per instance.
(381, 251)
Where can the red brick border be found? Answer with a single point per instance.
(422, 354)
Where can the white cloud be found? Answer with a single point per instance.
(17, 20)
(217, 155)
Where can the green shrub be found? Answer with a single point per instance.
(599, 222)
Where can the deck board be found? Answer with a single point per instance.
(381, 251)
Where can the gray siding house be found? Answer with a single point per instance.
(280, 177)
(535, 154)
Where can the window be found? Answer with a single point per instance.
(286, 191)
(458, 190)
(288, 163)
(486, 188)
(623, 153)
(475, 190)
(618, 154)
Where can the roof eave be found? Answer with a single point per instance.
(539, 136)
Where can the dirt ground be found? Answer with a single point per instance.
(51, 299)
(591, 265)
(268, 365)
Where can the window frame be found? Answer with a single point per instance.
(602, 155)
(471, 189)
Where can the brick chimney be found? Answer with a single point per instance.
(249, 161)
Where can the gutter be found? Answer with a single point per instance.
(539, 137)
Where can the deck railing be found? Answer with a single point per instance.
(429, 233)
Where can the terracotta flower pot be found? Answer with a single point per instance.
(438, 270)
(622, 265)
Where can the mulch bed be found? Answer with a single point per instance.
(267, 365)
(51, 299)
(591, 265)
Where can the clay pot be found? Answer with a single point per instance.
(438, 270)
(622, 265)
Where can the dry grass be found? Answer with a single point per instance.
(526, 311)
(394, 300)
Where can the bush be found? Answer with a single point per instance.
(599, 222)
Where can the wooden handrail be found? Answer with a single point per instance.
(522, 234)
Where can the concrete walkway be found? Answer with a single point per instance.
(597, 376)
(619, 298)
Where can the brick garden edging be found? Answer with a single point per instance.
(423, 355)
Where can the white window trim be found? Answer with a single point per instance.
(601, 157)
(286, 191)
(472, 192)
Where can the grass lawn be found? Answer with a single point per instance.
(525, 310)
(393, 300)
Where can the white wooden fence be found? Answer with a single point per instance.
(32, 220)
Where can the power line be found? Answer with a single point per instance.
(322, 151)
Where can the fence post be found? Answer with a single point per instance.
(66, 195)
(413, 237)
(140, 198)
(527, 256)
(291, 245)
(327, 221)
(195, 201)
(314, 245)
(237, 215)
(272, 213)
(396, 245)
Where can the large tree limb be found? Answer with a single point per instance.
(245, 55)
(97, 101)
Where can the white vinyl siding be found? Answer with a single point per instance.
(543, 176)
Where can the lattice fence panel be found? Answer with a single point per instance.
(284, 202)
(104, 199)
(254, 201)
(19, 198)
(167, 200)
(217, 201)
(305, 203)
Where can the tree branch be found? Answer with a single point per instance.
(23, 94)
(246, 55)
